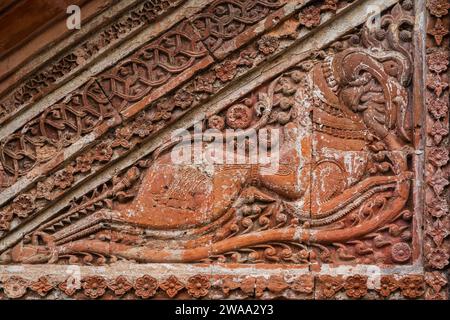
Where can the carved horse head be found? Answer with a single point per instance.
(372, 83)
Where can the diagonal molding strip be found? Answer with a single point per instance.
(293, 55)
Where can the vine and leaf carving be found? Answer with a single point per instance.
(437, 222)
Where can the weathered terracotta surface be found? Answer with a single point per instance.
(94, 202)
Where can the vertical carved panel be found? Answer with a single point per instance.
(437, 223)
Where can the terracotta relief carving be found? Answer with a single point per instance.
(214, 29)
(152, 66)
(159, 114)
(55, 129)
(436, 246)
(411, 286)
(150, 165)
(284, 216)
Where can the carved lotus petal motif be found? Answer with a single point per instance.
(438, 61)
(438, 258)
(438, 231)
(42, 286)
(438, 208)
(438, 182)
(70, 286)
(436, 280)
(438, 107)
(198, 286)
(44, 188)
(438, 131)
(401, 252)
(15, 287)
(145, 286)
(310, 17)
(239, 116)
(83, 163)
(120, 285)
(171, 286)
(437, 83)
(103, 152)
(356, 286)
(438, 8)
(439, 31)
(183, 99)
(439, 156)
(330, 285)
(204, 83)
(388, 284)
(94, 286)
(64, 178)
(216, 122)
(23, 205)
(268, 44)
(226, 71)
(412, 286)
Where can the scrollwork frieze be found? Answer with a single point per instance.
(436, 243)
(202, 286)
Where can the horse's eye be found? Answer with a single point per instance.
(391, 68)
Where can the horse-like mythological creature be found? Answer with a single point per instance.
(345, 132)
